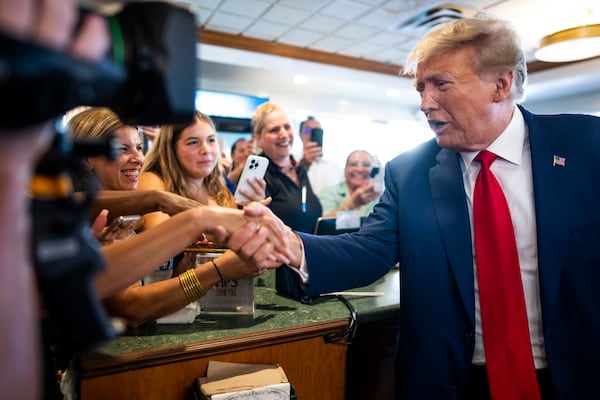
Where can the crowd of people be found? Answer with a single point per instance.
(158, 293)
(501, 307)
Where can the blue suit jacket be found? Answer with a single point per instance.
(422, 221)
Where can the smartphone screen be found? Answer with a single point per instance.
(316, 135)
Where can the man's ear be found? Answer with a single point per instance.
(88, 163)
(504, 82)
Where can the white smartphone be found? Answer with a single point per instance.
(255, 166)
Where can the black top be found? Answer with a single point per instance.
(287, 198)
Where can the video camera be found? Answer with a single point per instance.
(148, 79)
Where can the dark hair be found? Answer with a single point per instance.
(234, 145)
(95, 123)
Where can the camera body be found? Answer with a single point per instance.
(148, 79)
(376, 175)
(374, 171)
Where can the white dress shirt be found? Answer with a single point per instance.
(513, 171)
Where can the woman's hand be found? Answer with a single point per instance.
(99, 223)
(255, 243)
(258, 192)
(256, 219)
(363, 195)
(232, 266)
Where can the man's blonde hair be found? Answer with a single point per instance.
(495, 43)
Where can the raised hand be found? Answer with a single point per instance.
(258, 192)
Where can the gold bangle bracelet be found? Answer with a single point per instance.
(195, 285)
(191, 285)
(184, 282)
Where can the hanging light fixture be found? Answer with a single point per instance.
(571, 44)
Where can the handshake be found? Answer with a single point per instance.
(259, 237)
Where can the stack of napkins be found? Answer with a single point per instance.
(186, 315)
(231, 381)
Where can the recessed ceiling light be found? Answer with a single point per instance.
(301, 79)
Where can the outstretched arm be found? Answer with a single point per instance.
(128, 260)
(125, 202)
(138, 304)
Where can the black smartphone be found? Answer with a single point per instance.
(374, 171)
(316, 135)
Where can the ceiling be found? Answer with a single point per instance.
(354, 49)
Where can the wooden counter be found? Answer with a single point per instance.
(163, 361)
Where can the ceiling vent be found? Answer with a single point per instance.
(433, 16)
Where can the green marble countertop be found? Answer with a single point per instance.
(272, 312)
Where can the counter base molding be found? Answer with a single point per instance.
(314, 368)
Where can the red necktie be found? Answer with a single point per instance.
(509, 361)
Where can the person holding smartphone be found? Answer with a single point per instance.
(322, 172)
(293, 198)
(357, 192)
(158, 293)
(185, 160)
(240, 150)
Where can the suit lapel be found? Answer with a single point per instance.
(551, 192)
(551, 183)
(451, 211)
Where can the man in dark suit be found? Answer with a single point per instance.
(470, 75)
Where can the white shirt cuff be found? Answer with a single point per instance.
(302, 271)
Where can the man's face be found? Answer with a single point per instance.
(307, 127)
(461, 105)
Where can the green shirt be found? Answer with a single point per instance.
(333, 197)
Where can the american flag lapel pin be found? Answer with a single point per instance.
(558, 161)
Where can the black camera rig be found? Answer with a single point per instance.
(148, 79)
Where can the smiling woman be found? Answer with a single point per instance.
(293, 199)
(120, 174)
(185, 160)
(165, 289)
(357, 192)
